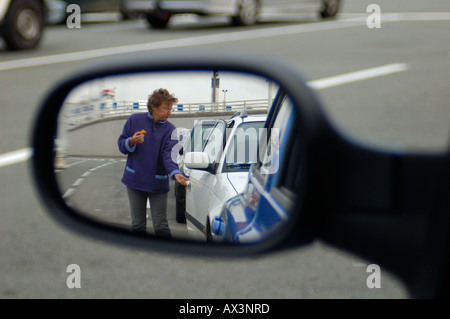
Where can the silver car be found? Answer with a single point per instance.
(242, 12)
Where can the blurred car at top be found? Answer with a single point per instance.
(117, 7)
(93, 11)
(56, 11)
(22, 22)
(268, 197)
(220, 170)
(242, 12)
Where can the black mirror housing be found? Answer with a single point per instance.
(387, 206)
(45, 130)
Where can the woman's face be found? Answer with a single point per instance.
(162, 112)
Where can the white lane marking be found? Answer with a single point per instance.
(75, 163)
(70, 191)
(177, 43)
(78, 182)
(415, 16)
(15, 157)
(358, 76)
(220, 38)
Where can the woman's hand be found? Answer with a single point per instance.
(137, 138)
(181, 179)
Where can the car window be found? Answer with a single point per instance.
(244, 147)
(272, 149)
(290, 177)
(215, 142)
(199, 136)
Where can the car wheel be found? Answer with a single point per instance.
(180, 206)
(247, 12)
(24, 24)
(123, 10)
(208, 234)
(158, 19)
(330, 8)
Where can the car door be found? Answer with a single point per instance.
(266, 201)
(200, 194)
(279, 124)
(282, 179)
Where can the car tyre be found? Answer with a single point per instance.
(24, 24)
(330, 8)
(158, 19)
(180, 206)
(247, 13)
(209, 237)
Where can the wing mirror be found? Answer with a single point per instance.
(81, 164)
(380, 204)
(197, 160)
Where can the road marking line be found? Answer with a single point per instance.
(219, 38)
(358, 76)
(68, 193)
(415, 16)
(78, 182)
(177, 43)
(75, 163)
(15, 157)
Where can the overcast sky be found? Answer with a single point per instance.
(188, 87)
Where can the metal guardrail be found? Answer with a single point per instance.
(76, 115)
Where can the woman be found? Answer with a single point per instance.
(147, 140)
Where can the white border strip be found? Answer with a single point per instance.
(15, 157)
(178, 43)
(358, 76)
(219, 38)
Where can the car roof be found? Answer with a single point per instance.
(248, 118)
(237, 117)
(205, 121)
(255, 118)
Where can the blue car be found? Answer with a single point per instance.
(268, 197)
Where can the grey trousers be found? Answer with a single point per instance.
(158, 208)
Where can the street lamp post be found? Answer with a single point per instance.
(224, 99)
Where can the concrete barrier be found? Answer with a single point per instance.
(99, 138)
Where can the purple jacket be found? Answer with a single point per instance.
(150, 163)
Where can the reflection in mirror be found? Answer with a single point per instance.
(121, 162)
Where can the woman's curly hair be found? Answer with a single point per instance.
(158, 97)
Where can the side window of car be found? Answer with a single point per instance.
(215, 144)
(206, 130)
(274, 148)
(290, 179)
(245, 143)
(285, 179)
(199, 137)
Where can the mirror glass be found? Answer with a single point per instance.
(112, 156)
